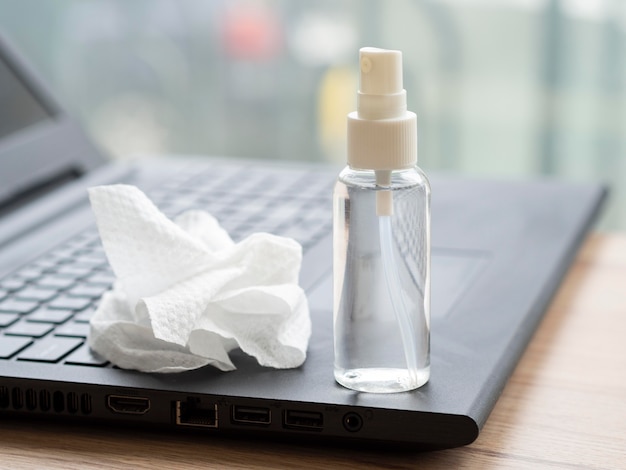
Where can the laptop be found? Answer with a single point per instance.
(500, 251)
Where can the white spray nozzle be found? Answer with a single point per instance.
(382, 134)
(381, 95)
(381, 71)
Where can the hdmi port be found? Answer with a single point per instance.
(128, 405)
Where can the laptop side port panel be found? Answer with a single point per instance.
(195, 412)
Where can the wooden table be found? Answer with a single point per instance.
(565, 406)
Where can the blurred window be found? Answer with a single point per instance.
(508, 88)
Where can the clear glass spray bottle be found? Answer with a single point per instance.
(382, 240)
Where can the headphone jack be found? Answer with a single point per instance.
(352, 422)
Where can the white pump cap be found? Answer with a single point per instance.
(382, 134)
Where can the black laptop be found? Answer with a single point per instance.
(500, 250)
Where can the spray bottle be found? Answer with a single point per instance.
(381, 240)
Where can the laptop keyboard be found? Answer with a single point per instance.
(45, 306)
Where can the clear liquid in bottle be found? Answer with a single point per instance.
(382, 282)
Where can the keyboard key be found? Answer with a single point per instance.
(84, 356)
(55, 282)
(7, 319)
(63, 254)
(73, 329)
(12, 284)
(46, 264)
(29, 273)
(72, 270)
(51, 349)
(51, 261)
(92, 256)
(3, 294)
(85, 315)
(33, 293)
(49, 315)
(18, 306)
(9, 346)
(65, 302)
(103, 278)
(91, 263)
(91, 291)
(78, 243)
(24, 328)
(84, 264)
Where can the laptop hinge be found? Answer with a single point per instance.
(62, 197)
(38, 190)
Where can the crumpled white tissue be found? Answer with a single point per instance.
(186, 294)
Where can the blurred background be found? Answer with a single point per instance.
(506, 88)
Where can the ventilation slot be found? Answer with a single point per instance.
(58, 402)
(72, 402)
(85, 403)
(4, 397)
(17, 398)
(44, 400)
(31, 399)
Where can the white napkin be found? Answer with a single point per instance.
(186, 294)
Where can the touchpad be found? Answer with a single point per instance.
(452, 273)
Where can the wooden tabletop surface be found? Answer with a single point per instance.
(564, 407)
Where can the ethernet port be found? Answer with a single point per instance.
(195, 411)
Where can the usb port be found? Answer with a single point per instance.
(304, 420)
(251, 415)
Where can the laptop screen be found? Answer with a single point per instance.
(41, 147)
(19, 108)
